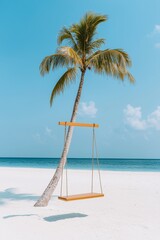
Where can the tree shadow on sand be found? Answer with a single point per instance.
(55, 218)
(20, 215)
(11, 195)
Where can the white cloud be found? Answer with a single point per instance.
(155, 32)
(133, 117)
(88, 109)
(157, 28)
(38, 138)
(157, 45)
(48, 131)
(154, 119)
(43, 136)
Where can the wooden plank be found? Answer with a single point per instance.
(76, 124)
(80, 196)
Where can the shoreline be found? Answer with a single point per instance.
(77, 169)
(134, 165)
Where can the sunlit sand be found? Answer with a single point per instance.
(129, 210)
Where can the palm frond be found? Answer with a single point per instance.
(130, 77)
(125, 56)
(65, 56)
(68, 77)
(112, 62)
(53, 61)
(45, 65)
(90, 22)
(93, 46)
(66, 34)
(70, 53)
(84, 31)
(118, 55)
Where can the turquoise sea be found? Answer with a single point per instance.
(151, 165)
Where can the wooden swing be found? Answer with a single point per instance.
(91, 194)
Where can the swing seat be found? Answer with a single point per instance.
(80, 196)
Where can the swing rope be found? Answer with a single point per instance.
(92, 178)
(98, 164)
(61, 191)
(94, 152)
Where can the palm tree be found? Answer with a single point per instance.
(82, 54)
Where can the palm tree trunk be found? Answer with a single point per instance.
(47, 194)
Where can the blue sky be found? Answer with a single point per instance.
(129, 115)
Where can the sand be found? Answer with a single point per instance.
(130, 209)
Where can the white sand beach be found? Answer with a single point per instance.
(130, 209)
